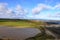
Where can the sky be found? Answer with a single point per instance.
(30, 9)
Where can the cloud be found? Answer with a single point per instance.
(41, 7)
(20, 11)
(50, 14)
(17, 12)
(5, 12)
(3, 7)
(56, 6)
(56, 15)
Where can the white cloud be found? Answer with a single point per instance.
(20, 11)
(57, 6)
(40, 7)
(56, 15)
(3, 7)
(6, 12)
(9, 11)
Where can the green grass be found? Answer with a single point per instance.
(20, 23)
(16, 24)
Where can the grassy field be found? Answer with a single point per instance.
(19, 23)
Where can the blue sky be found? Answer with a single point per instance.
(30, 9)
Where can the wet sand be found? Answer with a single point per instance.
(18, 33)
